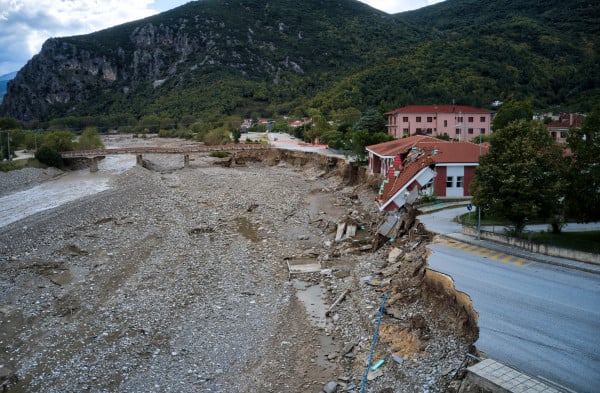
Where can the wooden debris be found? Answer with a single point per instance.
(337, 301)
(340, 231)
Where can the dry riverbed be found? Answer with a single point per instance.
(176, 280)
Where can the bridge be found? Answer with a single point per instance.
(96, 154)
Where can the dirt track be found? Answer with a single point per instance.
(176, 280)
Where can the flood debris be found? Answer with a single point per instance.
(198, 271)
(337, 301)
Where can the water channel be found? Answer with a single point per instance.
(66, 188)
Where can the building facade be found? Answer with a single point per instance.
(459, 122)
(423, 165)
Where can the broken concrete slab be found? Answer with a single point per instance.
(303, 265)
(341, 228)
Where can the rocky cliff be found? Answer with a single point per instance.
(261, 41)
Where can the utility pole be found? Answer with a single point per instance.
(8, 144)
(479, 207)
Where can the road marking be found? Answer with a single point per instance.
(484, 252)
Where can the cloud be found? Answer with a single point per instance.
(26, 24)
(395, 6)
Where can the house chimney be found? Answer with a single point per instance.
(571, 119)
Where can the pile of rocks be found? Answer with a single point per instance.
(21, 179)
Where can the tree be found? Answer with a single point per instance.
(90, 139)
(333, 138)
(149, 123)
(582, 193)
(217, 136)
(347, 117)
(519, 179)
(49, 156)
(319, 125)
(371, 121)
(236, 134)
(511, 111)
(362, 138)
(9, 124)
(58, 140)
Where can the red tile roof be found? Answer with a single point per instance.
(411, 167)
(437, 109)
(566, 121)
(449, 152)
(391, 148)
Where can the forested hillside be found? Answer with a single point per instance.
(266, 58)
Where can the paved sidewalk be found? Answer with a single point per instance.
(498, 377)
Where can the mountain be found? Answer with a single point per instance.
(4, 81)
(268, 57)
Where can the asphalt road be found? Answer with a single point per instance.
(541, 319)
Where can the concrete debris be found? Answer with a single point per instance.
(374, 374)
(330, 387)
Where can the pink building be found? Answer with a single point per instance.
(457, 121)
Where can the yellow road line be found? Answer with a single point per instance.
(507, 258)
(484, 252)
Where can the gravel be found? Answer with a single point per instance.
(175, 280)
(21, 179)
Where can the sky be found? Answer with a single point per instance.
(26, 24)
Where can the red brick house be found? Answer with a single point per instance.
(425, 165)
(459, 122)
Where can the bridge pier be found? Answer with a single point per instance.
(94, 164)
(138, 160)
(186, 160)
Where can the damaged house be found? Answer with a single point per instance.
(423, 165)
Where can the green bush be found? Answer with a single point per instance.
(49, 156)
(220, 154)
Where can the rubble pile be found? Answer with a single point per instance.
(425, 331)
